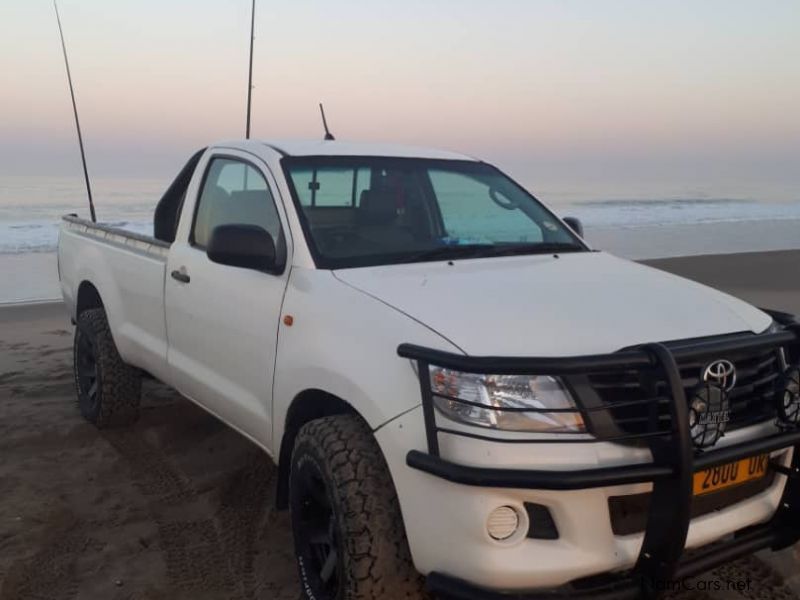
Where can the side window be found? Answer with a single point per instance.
(472, 216)
(234, 193)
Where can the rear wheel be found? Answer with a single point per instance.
(349, 536)
(108, 390)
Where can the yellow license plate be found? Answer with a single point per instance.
(730, 474)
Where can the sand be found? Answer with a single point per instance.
(31, 276)
(766, 279)
(180, 506)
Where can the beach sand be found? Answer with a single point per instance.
(766, 279)
(180, 506)
(31, 276)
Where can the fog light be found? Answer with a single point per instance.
(709, 413)
(503, 523)
(789, 397)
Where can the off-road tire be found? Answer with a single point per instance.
(118, 386)
(374, 559)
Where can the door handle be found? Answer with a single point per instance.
(181, 276)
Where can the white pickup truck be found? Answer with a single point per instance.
(461, 396)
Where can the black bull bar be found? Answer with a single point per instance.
(674, 461)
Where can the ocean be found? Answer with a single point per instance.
(634, 227)
(31, 208)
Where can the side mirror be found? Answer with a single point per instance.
(245, 246)
(574, 224)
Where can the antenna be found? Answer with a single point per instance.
(75, 110)
(328, 134)
(250, 76)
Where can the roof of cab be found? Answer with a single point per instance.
(335, 148)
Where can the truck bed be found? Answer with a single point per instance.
(115, 235)
(127, 270)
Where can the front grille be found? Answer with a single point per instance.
(638, 399)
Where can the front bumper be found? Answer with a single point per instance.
(781, 531)
(662, 556)
(776, 534)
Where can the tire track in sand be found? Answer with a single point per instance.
(192, 550)
(50, 574)
(227, 550)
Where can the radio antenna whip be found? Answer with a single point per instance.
(75, 110)
(328, 134)
(250, 75)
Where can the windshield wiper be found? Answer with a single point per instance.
(443, 252)
(489, 250)
(543, 248)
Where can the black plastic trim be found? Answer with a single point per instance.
(745, 449)
(588, 478)
(624, 359)
(540, 480)
(541, 525)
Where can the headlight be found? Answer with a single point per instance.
(538, 403)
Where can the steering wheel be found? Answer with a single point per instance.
(501, 200)
(338, 235)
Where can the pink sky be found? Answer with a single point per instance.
(555, 91)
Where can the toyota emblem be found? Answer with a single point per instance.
(721, 374)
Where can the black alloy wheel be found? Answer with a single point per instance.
(317, 533)
(87, 375)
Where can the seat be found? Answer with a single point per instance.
(253, 207)
(210, 213)
(378, 218)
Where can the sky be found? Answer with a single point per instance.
(657, 97)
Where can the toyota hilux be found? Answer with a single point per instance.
(461, 395)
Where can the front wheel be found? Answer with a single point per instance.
(348, 531)
(108, 389)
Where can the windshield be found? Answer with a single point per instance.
(362, 211)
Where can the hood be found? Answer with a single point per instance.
(573, 304)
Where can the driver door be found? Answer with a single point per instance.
(222, 321)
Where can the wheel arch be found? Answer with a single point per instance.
(308, 405)
(88, 298)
